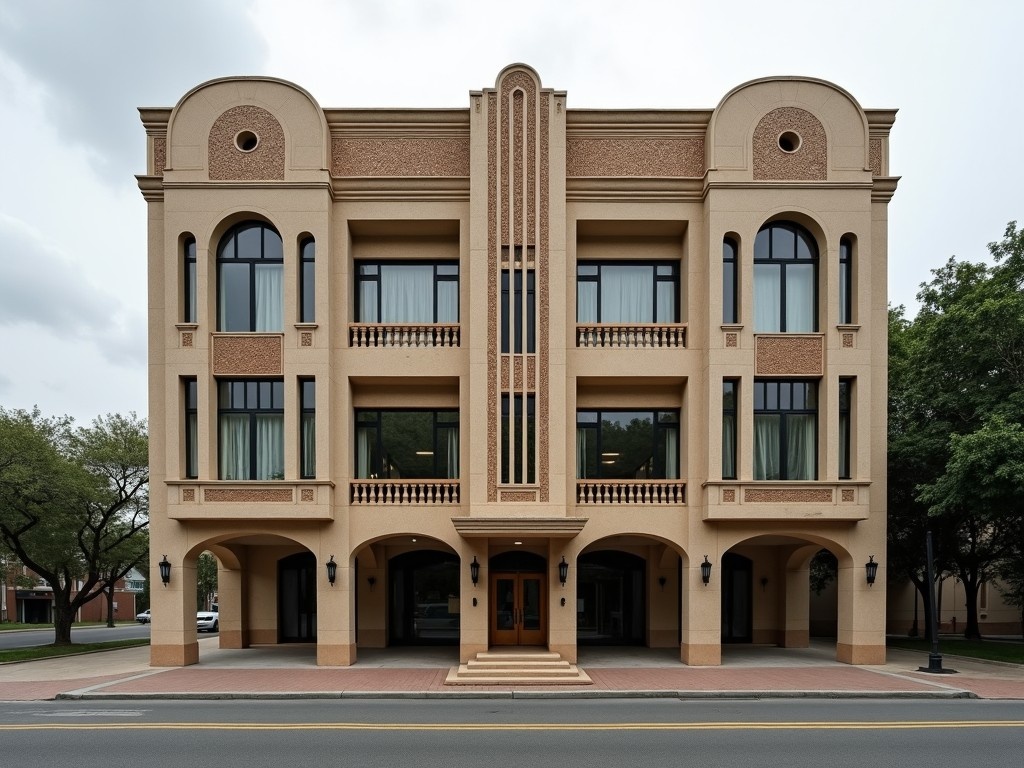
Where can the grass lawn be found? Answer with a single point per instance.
(12, 625)
(991, 650)
(51, 651)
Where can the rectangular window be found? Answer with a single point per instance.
(307, 281)
(785, 430)
(407, 444)
(420, 292)
(845, 396)
(191, 429)
(307, 438)
(189, 314)
(627, 445)
(520, 466)
(627, 292)
(730, 391)
(512, 326)
(251, 429)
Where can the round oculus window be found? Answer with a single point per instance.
(789, 141)
(246, 141)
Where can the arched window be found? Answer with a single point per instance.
(729, 253)
(188, 254)
(307, 281)
(785, 279)
(846, 280)
(250, 277)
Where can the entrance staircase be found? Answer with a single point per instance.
(517, 667)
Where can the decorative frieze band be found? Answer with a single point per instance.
(790, 355)
(247, 355)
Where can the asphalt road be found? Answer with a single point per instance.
(590, 734)
(29, 637)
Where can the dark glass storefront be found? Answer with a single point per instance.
(610, 599)
(423, 604)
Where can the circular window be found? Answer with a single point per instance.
(789, 141)
(247, 141)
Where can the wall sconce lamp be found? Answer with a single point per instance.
(661, 582)
(871, 570)
(372, 581)
(474, 571)
(563, 571)
(332, 570)
(764, 583)
(165, 570)
(705, 571)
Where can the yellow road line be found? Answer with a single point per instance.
(727, 726)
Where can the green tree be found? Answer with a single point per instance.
(206, 580)
(71, 500)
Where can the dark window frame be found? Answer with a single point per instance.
(361, 279)
(191, 411)
(658, 424)
(189, 311)
(730, 407)
(763, 397)
(730, 281)
(517, 476)
(516, 334)
(307, 408)
(782, 261)
(372, 418)
(656, 276)
(247, 389)
(846, 280)
(307, 280)
(846, 390)
(230, 241)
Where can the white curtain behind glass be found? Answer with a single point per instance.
(799, 298)
(581, 453)
(766, 447)
(627, 295)
(452, 453)
(586, 302)
(447, 301)
(364, 438)
(671, 454)
(309, 445)
(801, 445)
(269, 297)
(666, 302)
(728, 445)
(407, 294)
(767, 298)
(270, 447)
(234, 447)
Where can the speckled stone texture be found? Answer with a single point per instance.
(250, 495)
(848, 340)
(784, 356)
(247, 356)
(875, 156)
(788, 495)
(644, 157)
(229, 163)
(188, 495)
(849, 495)
(186, 339)
(520, 497)
(308, 495)
(434, 156)
(307, 338)
(729, 495)
(159, 155)
(808, 163)
(731, 339)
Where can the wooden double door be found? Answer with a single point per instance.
(518, 609)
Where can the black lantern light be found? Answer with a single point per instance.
(871, 570)
(332, 570)
(563, 571)
(165, 570)
(661, 582)
(705, 571)
(372, 581)
(474, 571)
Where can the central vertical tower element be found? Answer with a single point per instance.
(518, 299)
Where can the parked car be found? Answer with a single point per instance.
(207, 621)
(145, 617)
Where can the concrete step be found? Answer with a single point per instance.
(517, 668)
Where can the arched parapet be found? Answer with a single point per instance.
(788, 129)
(246, 129)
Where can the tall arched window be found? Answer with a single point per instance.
(189, 313)
(307, 281)
(729, 281)
(846, 280)
(785, 279)
(250, 278)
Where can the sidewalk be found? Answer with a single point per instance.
(291, 672)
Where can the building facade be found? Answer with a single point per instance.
(517, 374)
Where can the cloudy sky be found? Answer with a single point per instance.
(73, 72)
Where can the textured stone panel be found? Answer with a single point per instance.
(159, 155)
(849, 494)
(789, 356)
(519, 496)
(433, 156)
(307, 495)
(875, 156)
(248, 495)
(731, 339)
(188, 494)
(847, 340)
(186, 339)
(307, 338)
(788, 495)
(228, 162)
(729, 495)
(647, 157)
(808, 163)
(247, 356)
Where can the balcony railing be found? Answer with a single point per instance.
(630, 492)
(632, 335)
(397, 492)
(404, 335)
